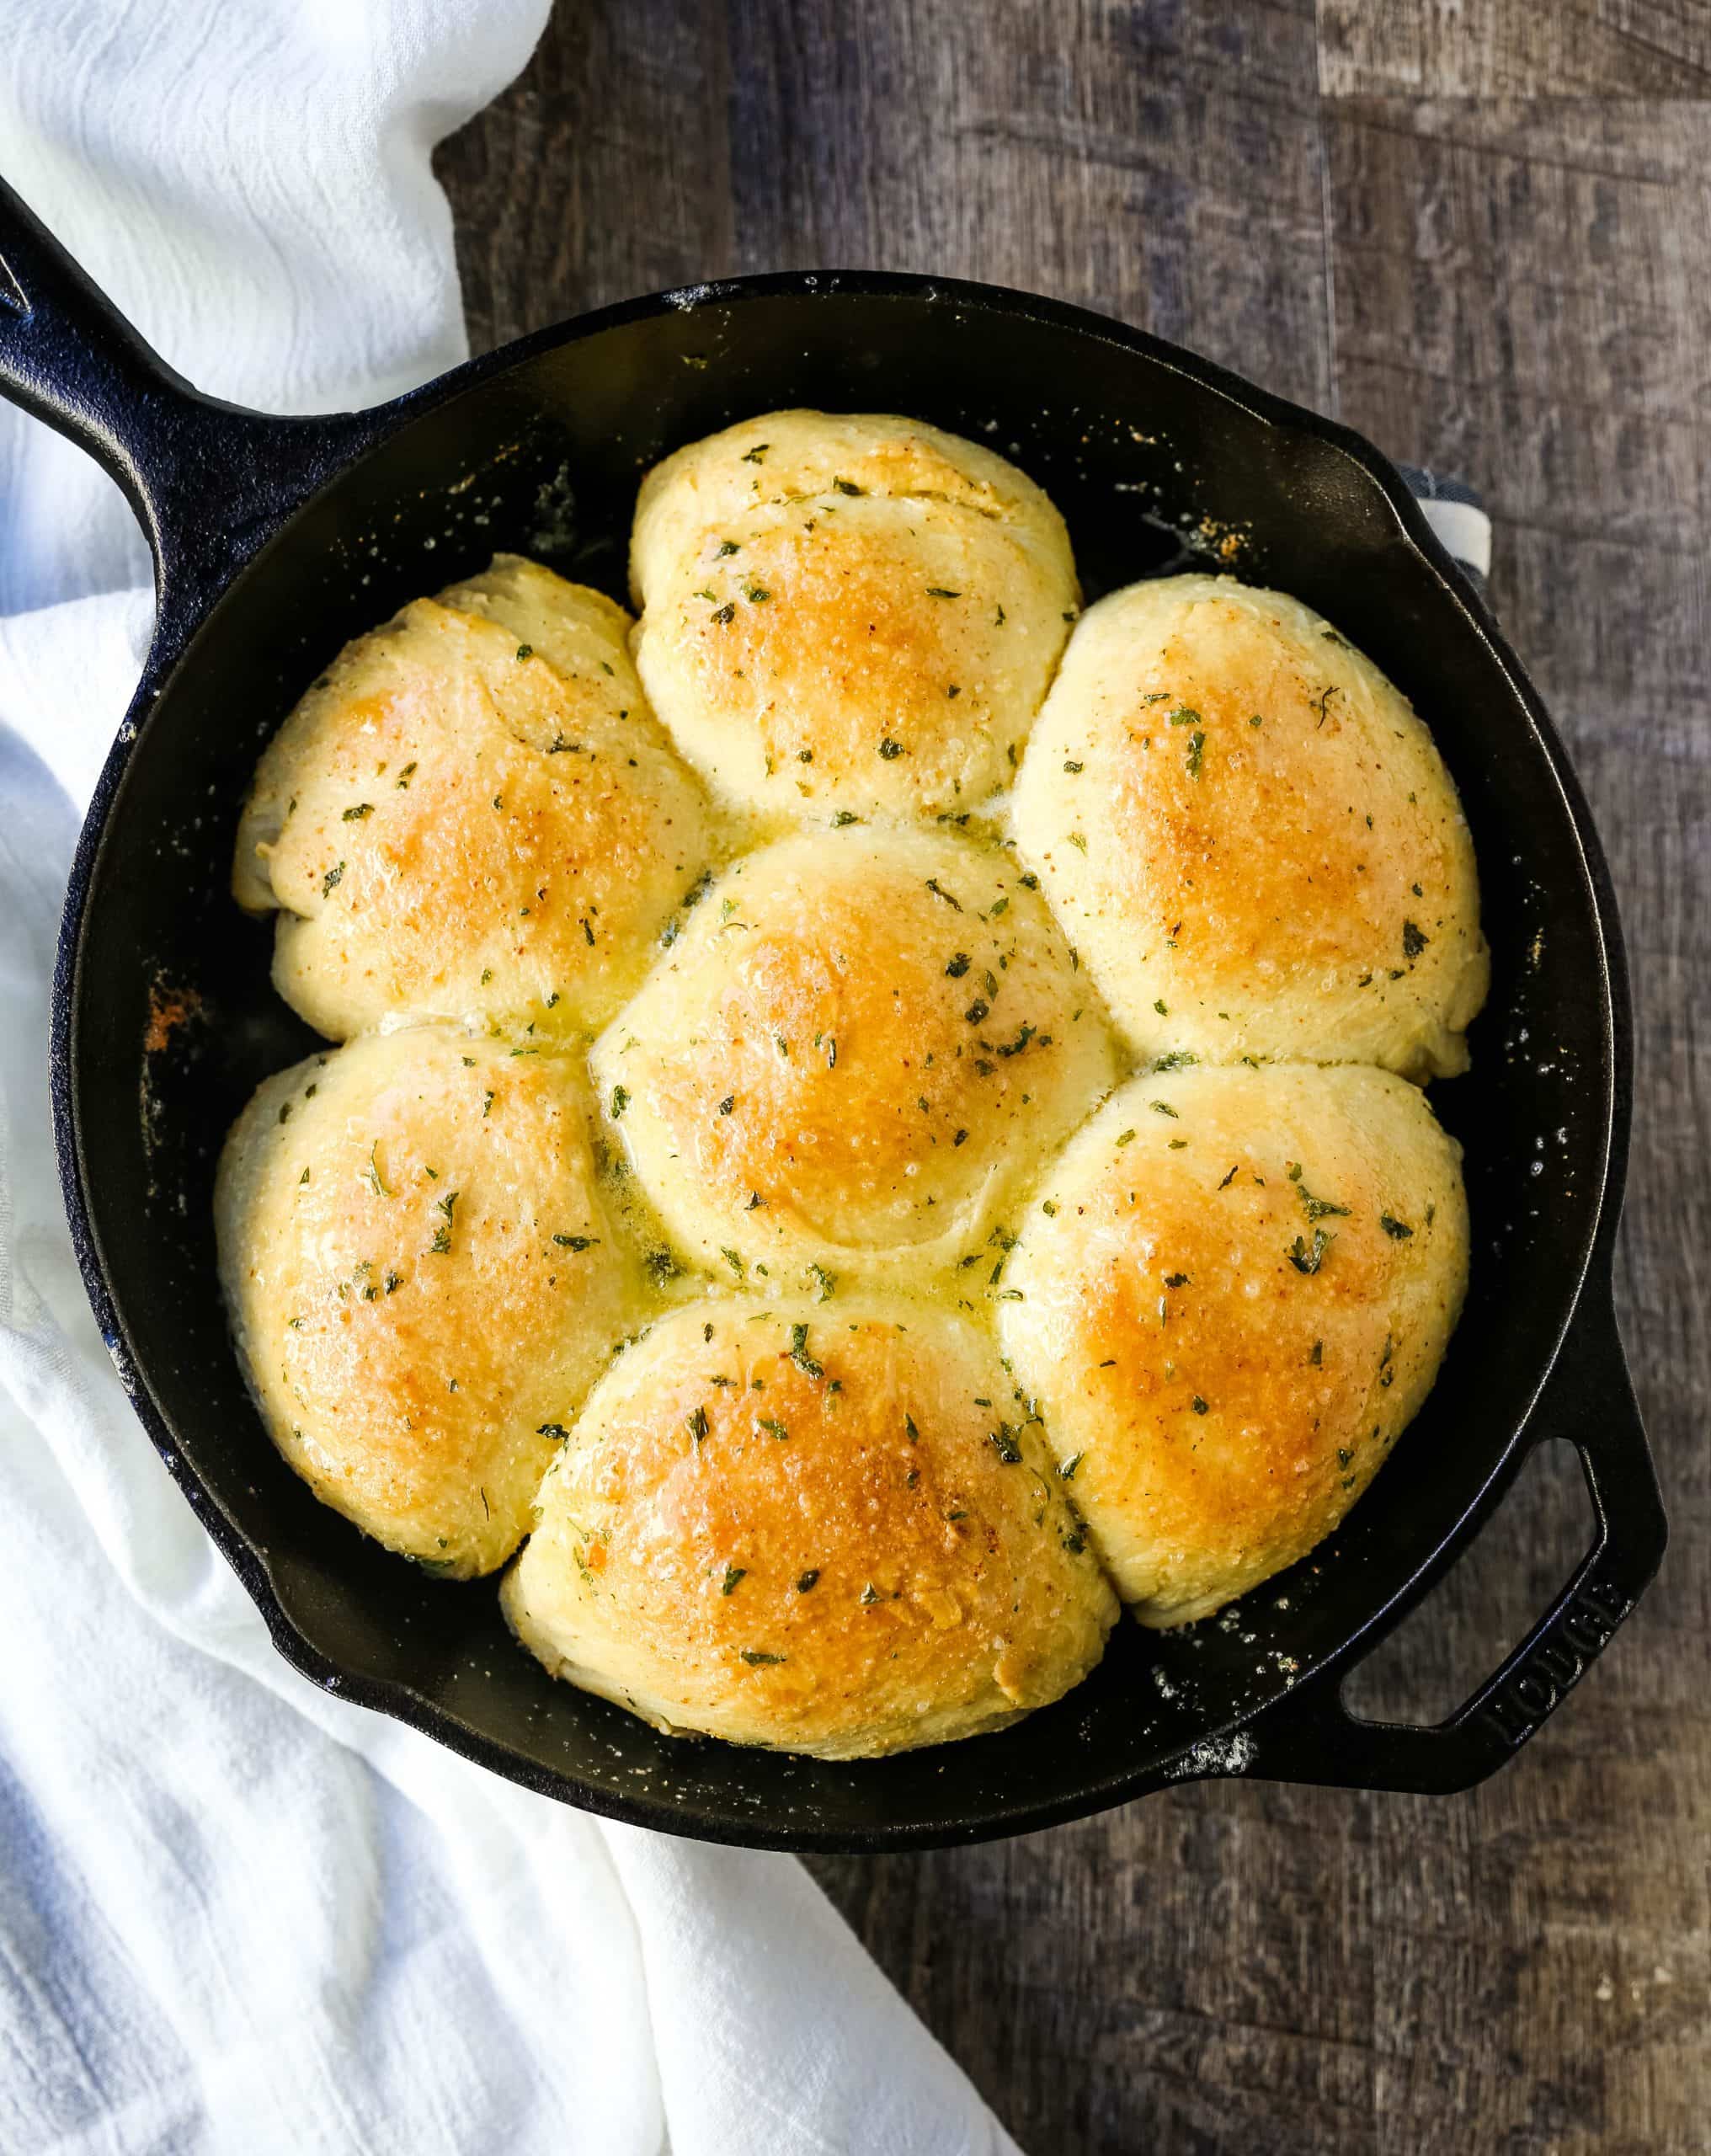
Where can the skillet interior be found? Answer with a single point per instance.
(541, 453)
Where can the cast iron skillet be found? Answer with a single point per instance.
(277, 539)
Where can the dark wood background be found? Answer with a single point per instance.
(1480, 230)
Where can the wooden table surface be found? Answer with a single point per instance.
(1482, 235)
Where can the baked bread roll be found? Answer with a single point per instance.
(859, 1045)
(1248, 835)
(848, 612)
(472, 815)
(1233, 1293)
(832, 1534)
(422, 1281)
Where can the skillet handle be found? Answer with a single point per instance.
(1312, 1737)
(209, 481)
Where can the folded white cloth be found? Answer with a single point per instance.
(236, 1913)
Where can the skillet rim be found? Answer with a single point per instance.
(177, 626)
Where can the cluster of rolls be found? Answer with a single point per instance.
(876, 1113)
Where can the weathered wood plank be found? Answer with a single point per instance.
(1165, 170)
(1515, 48)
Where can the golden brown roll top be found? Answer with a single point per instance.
(1251, 836)
(859, 1045)
(420, 1275)
(848, 612)
(1231, 1294)
(472, 815)
(835, 1534)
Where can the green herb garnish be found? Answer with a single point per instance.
(1307, 1258)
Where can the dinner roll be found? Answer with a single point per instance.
(1232, 1295)
(848, 612)
(422, 1281)
(832, 1533)
(1250, 837)
(860, 1043)
(472, 815)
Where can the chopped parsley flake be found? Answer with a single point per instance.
(1308, 1259)
(442, 1234)
(799, 1352)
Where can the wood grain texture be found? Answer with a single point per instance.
(1364, 212)
(1515, 48)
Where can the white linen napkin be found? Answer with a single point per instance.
(236, 1913)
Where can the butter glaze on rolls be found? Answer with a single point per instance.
(1251, 836)
(419, 1274)
(830, 1530)
(1234, 1290)
(473, 814)
(860, 1042)
(852, 612)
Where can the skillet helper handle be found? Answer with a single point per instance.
(1312, 1737)
(209, 481)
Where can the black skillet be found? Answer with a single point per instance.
(277, 539)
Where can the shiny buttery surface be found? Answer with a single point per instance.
(865, 1043)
